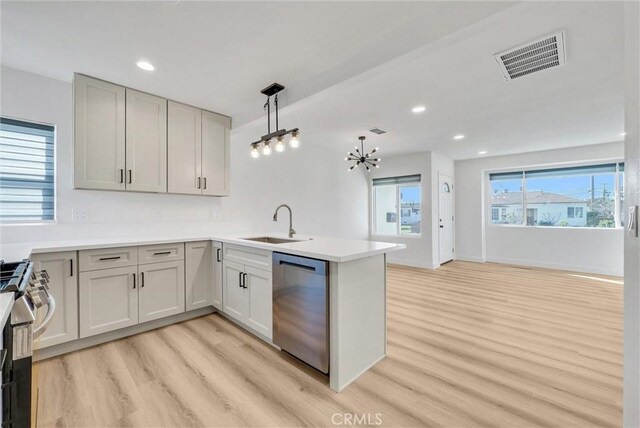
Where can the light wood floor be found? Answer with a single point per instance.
(468, 345)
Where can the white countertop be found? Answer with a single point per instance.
(331, 249)
(6, 304)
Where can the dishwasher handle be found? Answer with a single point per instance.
(282, 261)
(308, 267)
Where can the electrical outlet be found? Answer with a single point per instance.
(80, 215)
(157, 215)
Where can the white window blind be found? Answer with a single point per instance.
(27, 185)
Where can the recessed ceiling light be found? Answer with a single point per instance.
(458, 137)
(482, 152)
(418, 109)
(147, 66)
(622, 134)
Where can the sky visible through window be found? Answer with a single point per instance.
(578, 187)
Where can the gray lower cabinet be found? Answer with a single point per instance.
(161, 290)
(199, 274)
(203, 266)
(248, 296)
(62, 268)
(108, 300)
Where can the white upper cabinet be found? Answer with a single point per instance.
(99, 154)
(215, 154)
(185, 149)
(146, 142)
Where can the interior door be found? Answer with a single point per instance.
(215, 154)
(146, 160)
(161, 290)
(184, 143)
(445, 218)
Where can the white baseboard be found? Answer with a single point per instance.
(470, 259)
(559, 266)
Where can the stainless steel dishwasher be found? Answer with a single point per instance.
(301, 308)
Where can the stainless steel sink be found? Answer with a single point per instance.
(272, 240)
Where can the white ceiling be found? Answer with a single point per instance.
(348, 66)
(219, 55)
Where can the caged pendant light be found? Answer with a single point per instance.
(274, 139)
(361, 158)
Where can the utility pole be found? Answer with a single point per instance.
(593, 188)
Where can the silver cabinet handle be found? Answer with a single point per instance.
(129, 176)
(219, 254)
(141, 279)
(162, 253)
(102, 259)
(70, 267)
(205, 183)
(244, 280)
(134, 281)
(121, 175)
(199, 179)
(240, 280)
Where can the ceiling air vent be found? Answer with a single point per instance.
(540, 54)
(378, 131)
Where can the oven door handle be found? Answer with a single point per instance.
(42, 327)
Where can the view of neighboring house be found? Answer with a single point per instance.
(410, 217)
(543, 209)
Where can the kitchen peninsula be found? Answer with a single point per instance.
(112, 288)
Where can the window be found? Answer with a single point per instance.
(27, 187)
(581, 196)
(397, 205)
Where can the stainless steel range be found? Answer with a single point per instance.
(31, 295)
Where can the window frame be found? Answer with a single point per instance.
(54, 220)
(618, 208)
(398, 186)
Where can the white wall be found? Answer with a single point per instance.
(585, 250)
(32, 97)
(325, 198)
(421, 251)
(631, 388)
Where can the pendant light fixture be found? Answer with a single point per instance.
(362, 158)
(274, 139)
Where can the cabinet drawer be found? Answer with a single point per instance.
(249, 256)
(105, 258)
(160, 253)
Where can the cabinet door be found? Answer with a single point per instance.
(185, 149)
(146, 147)
(217, 275)
(99, 143)
(215, 154)
(63, 286)
(260, 290)
(235, 299)
(199, 274)
(108, 300)
(161, 290)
